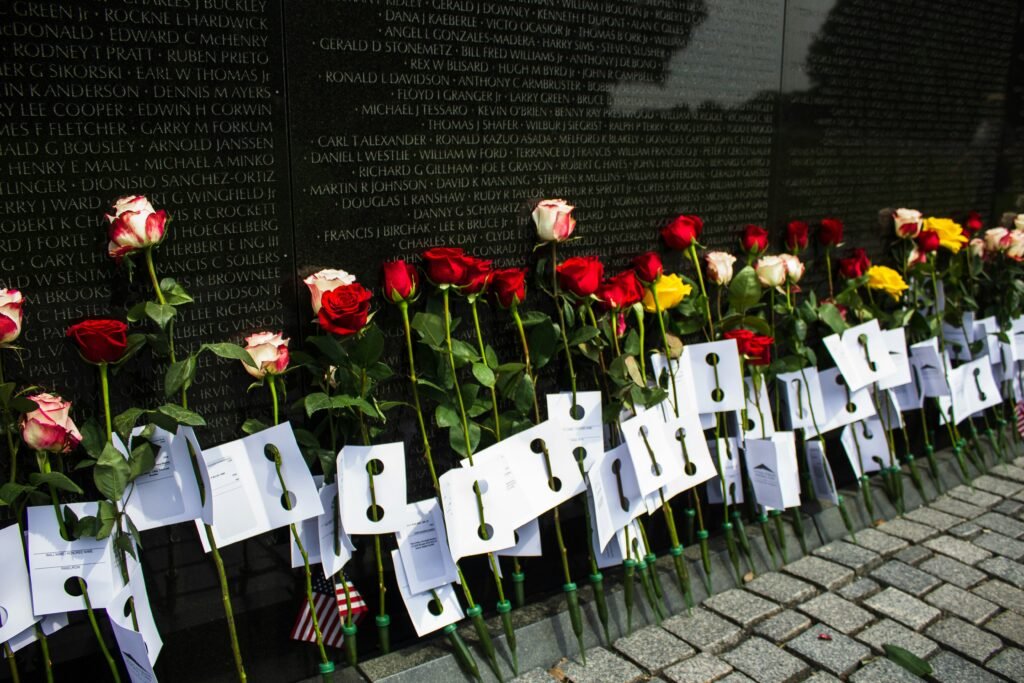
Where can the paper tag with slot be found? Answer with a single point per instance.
(865, 445)
(770, 468)
(911, 394)
(615, 493)
(685, 388)
(843, 406)
(636, 548)
(120, 615)
(802, 400)
(986, 330)
(655, 461)
(958, 338)
(608, 556)
(687, 437)
(308, 534)
(892, 412)
(822, 479)
(167, 494)
(431, 609)
(581, 424)
(728, 454)
(896, 344)
(861, 354)
(15, 591)
(50, 624)
(527, 541)
(932, 367)
(979, 386)
(500, 495)
(423, 545)
(759, 422)
(1016, 336)
(387, 462)
(56, 564)
(716, 375)
(185, 438)
(333, 555)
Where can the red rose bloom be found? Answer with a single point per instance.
(478, 275)
(648, 267)
(755, 347)
(580, 275)
(400, 281)
(796, 235)
(754, 239)
(344, 310)
(447, 266)
(100, 340)
(830, 234)
(854, 265)
(682, 231)
(972, 224)
(621, 291)
(927, 241)
(509, 286)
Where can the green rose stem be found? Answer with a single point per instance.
(43, 458)
(222, 577)
(828, 269)
(475, 611)
(629, 575)
(865, 481)
(572, 599)
(462, 653)
(929, 451)
(561, 319)
(12, 664)
(915, 472)
(326, 665)
(893, 471)
(762, 518)
(679, 562)
(703, 291)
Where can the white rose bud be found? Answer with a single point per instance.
(720, 266)
(794, 267)
(554, 220)
(977, 247)
(771, 271)
(325, 281)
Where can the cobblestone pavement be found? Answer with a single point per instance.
(944, 581)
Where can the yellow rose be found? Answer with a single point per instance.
(951, 235)
(888, 280)
(670, 290)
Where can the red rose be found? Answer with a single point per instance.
(100, 340)
(854, 265)
(830, 233)
(648, 267)
(401, 281)
(972, 224)
(447, 266)
(580, 275)
(754, 239)
(344, 310)
(927, 242)
(478, 275)
(755, 347)
(682, 231)
(620, 291)
(796, 235)
(509, 286)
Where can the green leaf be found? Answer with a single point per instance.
(430, 328)
(252, 425)
(10, 492)
(446, 416)
(182, 416)
(830, 315)
(483, 374)
(231, 352)
(457, 439)
(367, 347)
(161, 314)
(582, 335)
(179, 376)
(111, 473)
(759, 325)
(137, 312)
(543, 343)
(464, 352)
(330, 347)
(631, 345)
(799, 329)
(523, 396)
(55, 479)
(379, 372)
(93, 438)
(744, 290)
(142, 460)
(125, 422)
(106, 516)
(125, 544)
(908, 660)
(490, 357)
(174, 293)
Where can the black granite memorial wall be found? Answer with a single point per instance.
(287, 135)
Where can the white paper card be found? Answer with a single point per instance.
(168, 493)
(716, 375)
(896, 344)
(686, 435)
(959, 338)
(842, 405)
(431, 609)
(527, 542)
(615, 493)
(118, 612)
(759, 423)
(932, 367)
(500, 497)
(655, 460)
(185, 437)
(892, 412)
(581, 425)
(803, 404)
(822, 479)
(139, 649)
(335, 546)
(50, 624)
(15, 591)
(309, 535)
(980, 388)
(861, 354)
(865, 444)
(728, 455)
(911, 395)
(986, 330)
(388, 461)
(764, 472)
(685, 391)
(423, 545)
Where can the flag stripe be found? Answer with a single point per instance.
(330, 611)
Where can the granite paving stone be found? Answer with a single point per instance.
(915, 554)
(1008, 526)
(1002, 594)
(653, 648)
(840, 614)
(765, 662)
(962, 551)
(837, 654)
(965, 531)
(823, 573)
(951, 571)
(1008, 471)
(1009, 625)
(535, 676)
(859, 589)
(974, 496)
(957, 601)
(906, 609)
(1001, 545)
(704, 630)
(1010, 508)
(701, 668)
(602, 667)
(907, 530)
(908, 579)
(883, 544)
(997, 486)
(882, 670)
(735, 677)
(781, 588)
(1009, 663)
(741, 606)
(953, 506)
(948, 667)
(888, 631)
(965, 638)
(857, 558)
(1005, 569)
(933, 518)
(821, 677)
(783, 626)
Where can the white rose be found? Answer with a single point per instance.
(1018, 221)
(720, 266)
(997, 239)
(554, 220)
(977, 247)
(1016, 248)
(325, 281)
(794, 267)
(771, 271)
(270, 351)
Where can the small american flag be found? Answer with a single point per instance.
(331, 612)
(1020, 417)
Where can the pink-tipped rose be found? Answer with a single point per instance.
(324, 281)
(554, 220)
(720, 266)
(908, 223)
(134, 225)
(270, 351)
(11, 302)
(794, 268)
(49, 427)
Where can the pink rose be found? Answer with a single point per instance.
(11, 302)
(270, 351)
(134, 225)
(554, 220)
(324, 281)
(997, 239)
(49, 427)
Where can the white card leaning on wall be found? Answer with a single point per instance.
(896, 344)
(861, 354)
(168, 493)
(423, 546)
(716, 375)
(500, 495)
(822, 479)
(685, 390)
(932, 367)
(581, 425)
(866, 444)
(728, 454)
(759, 421)
(15, 591)
(803, 405)
(308, 535)
(429, 610)
(615, 493)
(656, 462)
(50, 624)
(387, 463)
(528, 542)
(685, 436)
(843, 406)
(334, 543)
